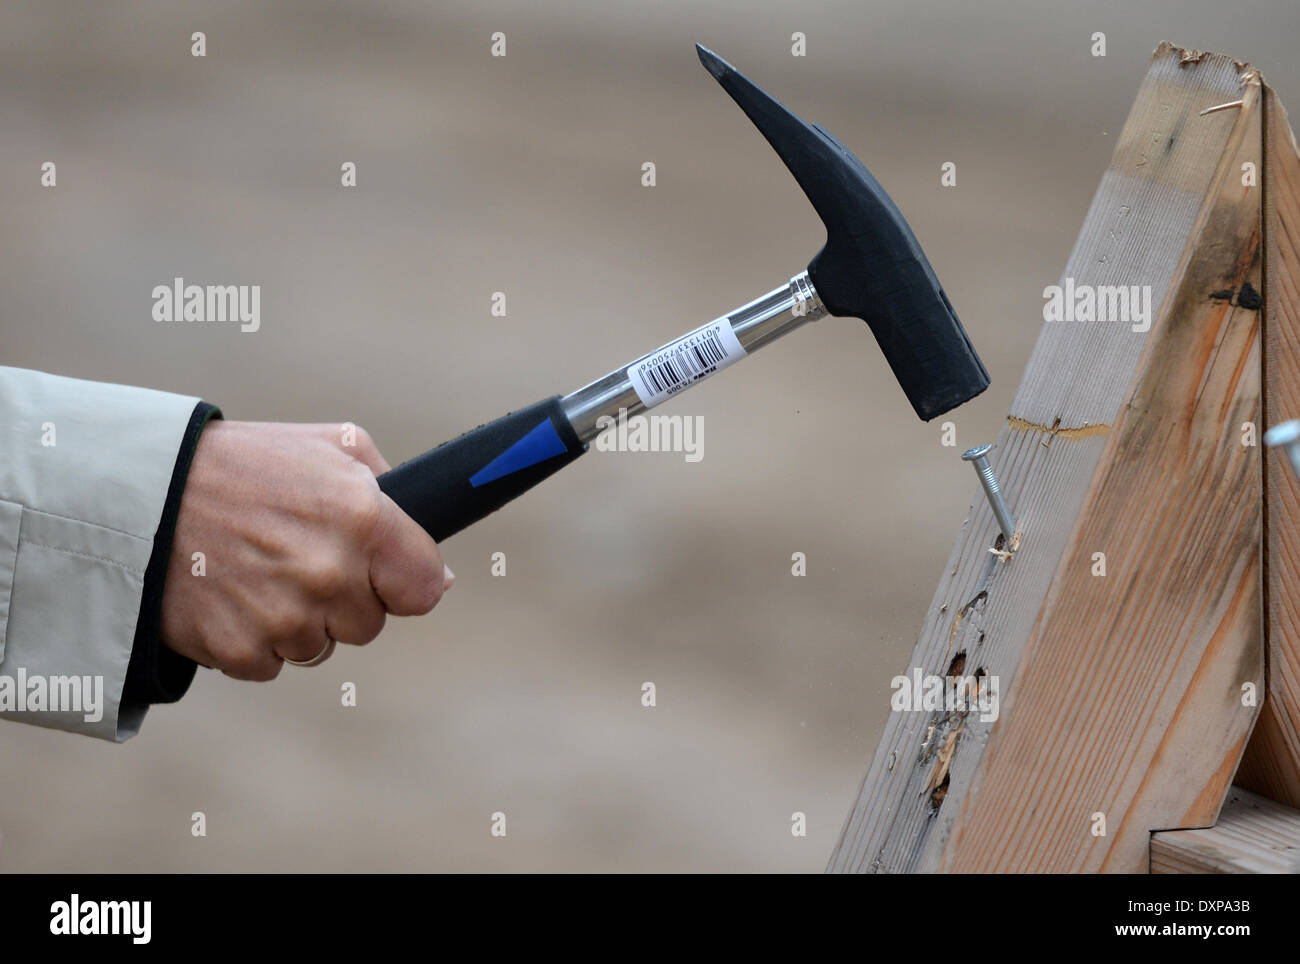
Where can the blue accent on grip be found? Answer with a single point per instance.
(540, 444)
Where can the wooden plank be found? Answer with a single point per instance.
(1124, 442)
(1272, 762)
(1254, 835)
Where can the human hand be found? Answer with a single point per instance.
(299, 546)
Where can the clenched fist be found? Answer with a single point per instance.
(299, 548)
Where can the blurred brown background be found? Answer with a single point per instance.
(522, 174)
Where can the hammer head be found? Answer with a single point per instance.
(872, 266)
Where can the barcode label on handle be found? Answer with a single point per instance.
(680, 364)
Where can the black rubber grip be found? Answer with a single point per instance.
(461, 481)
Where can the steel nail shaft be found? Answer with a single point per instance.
(978, 456)
(1286, 435)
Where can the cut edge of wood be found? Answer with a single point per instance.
(1253, 835)
(1271, 764)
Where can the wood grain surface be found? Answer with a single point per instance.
(1254, 835)
(1119, 694)
(1272, 762)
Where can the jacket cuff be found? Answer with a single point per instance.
(157, 673)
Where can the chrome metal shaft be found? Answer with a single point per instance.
(756, 324)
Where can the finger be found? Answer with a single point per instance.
(304, 646)
(223, 643)
(369, 456)
(356, 619)
(257, 666)
(355, 441)
(406, 568)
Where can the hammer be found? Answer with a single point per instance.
(870, 268)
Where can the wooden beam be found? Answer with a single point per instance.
(1272, 762)
(1254, 835)
(1120, 694)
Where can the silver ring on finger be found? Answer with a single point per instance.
(316, 660)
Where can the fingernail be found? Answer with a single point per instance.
(448, 577)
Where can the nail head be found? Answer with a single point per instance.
(1283, 434)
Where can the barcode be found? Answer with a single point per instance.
(682, 363)
(685, 365)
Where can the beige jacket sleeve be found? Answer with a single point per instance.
(85, 469)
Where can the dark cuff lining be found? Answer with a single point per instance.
(157, 674)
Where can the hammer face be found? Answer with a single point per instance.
(872, 266)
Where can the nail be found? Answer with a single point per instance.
(448, 577)
(1218, 107)
(979, 457)
(1286, 435)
